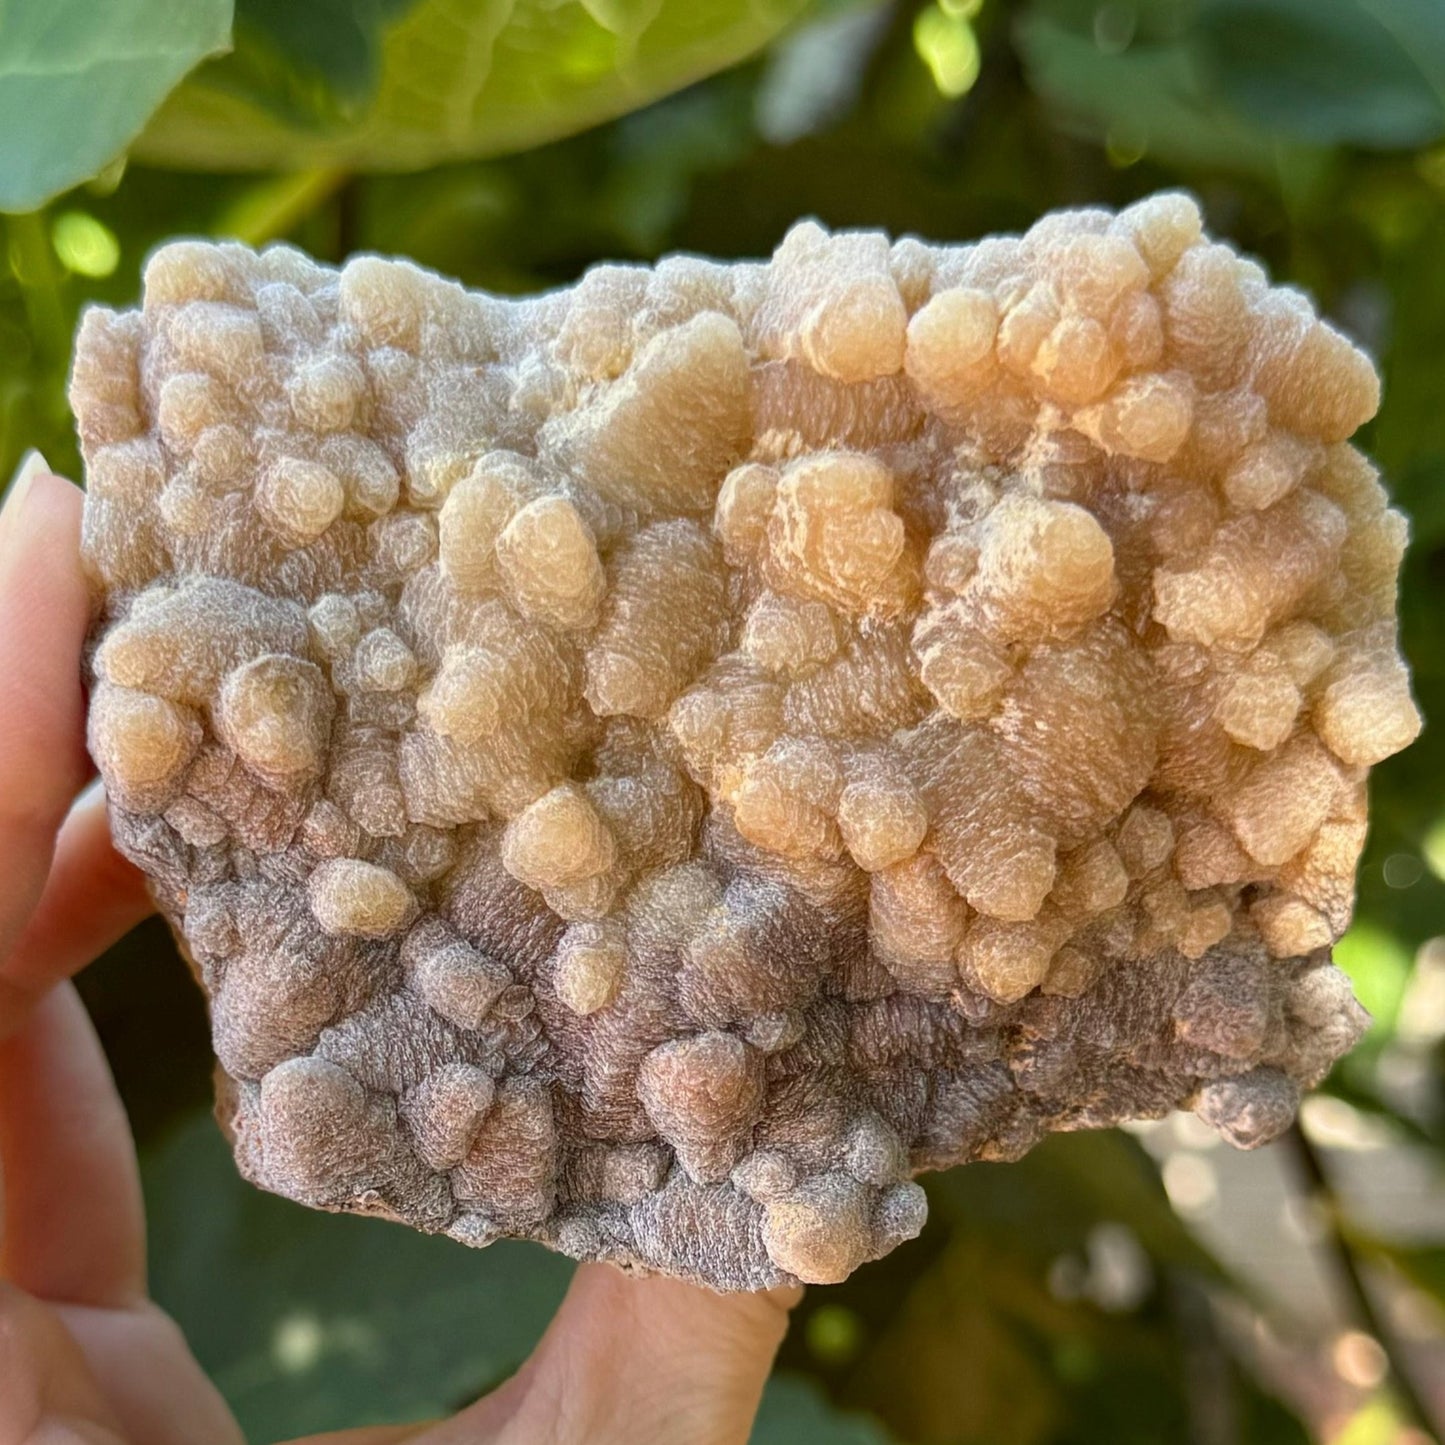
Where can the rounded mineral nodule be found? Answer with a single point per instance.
(652, 768)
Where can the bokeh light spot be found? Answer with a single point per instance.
(1191, 1183)
(947, 45)
(834, 1334)
(1402, 870)
(1359, 1359)
(296, 1345)
(84, 245)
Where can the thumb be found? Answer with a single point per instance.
(46, 1389)
(629, 1359)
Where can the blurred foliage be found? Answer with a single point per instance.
(334, 1321)
(331, 1321)
(371, 83)
(79, 81)
(1229, 82)
(1058, 1301)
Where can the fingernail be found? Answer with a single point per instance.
(32, 465)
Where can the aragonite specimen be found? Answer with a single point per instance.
(652, 768)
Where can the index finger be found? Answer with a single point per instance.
(92, 897)
(44, 614)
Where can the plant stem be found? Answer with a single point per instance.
(1322, 1192)
(1209, 1383)
(275, 207)
(40, 279)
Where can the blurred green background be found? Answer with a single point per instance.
(1133, 1287)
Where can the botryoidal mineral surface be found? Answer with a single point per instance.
(653, 767)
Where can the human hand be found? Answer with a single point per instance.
(85, 1357)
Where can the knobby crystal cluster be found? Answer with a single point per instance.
(653, 767)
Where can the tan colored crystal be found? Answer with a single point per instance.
(653, 767)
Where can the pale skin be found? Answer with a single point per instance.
(86, 1358)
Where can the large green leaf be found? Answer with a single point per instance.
(312, 1322)
(1353, 72)
(795, 1412)
(1239, 84)
(335, 41)
(456, 78)
(78, 80)
(1152, 97)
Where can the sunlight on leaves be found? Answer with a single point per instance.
(460, 78)
(1379, 967)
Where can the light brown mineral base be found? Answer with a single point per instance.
(654, 767)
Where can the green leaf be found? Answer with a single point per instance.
(79, 80)
(311, 1322)
(457, 79)
(1245, 86)
(1151, 98)
(338, 41)
(795, 1412)
(1353, 72)
(332, 1321)
(1378, 965)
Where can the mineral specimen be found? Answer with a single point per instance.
(653, 767)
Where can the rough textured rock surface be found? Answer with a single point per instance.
(653, 767)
